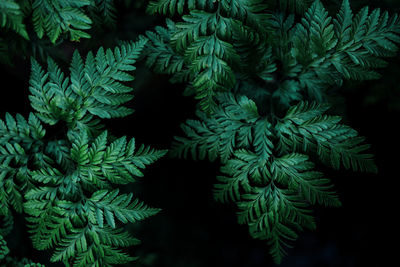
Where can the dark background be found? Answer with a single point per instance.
(194, 230)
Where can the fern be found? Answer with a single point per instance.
(335, 144)
(45, 24)
(264, 73)
(315, 54)
(232, 124)
(18, 137)
(11, 17)
(204, 42)
(171, 7)
(66, 183)
(264, 171)
(60, 19)
(213, 72)
(52, 18)
(347, 48)
(273, 65)
(94, 88)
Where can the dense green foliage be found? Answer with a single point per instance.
(65, 183)
(242, 46)
(56, 19)
(37, 26)
(264, 78)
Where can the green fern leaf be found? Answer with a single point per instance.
(121, 207)
(53, 18)
(12, 17)
(171, 7)
(216, 136)
(19, 139)
(334, 143)
(94, 88)
(295, 171)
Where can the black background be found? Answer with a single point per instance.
(193, 229)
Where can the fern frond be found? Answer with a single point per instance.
(273, 66)
(230, 125)
(334, 143)
(19, 138)
(117, 163)
(47, 221)
(11, 17)
(237, 172)
(317, 23)
(274, 214)
(62, 224)
(263, 172)
(161, 56)
(93, 89)
(250, 12)
(203, 42)
(115, 237)
(213, 72)
(171, 7)
(65, 184)
(250, 46)
(42, 97)
(76, 229)
(349, 47)
(19, 130)
(274, 194)
(53, 18)
(111, 206)
(104, 74)
(295, 171)
(209, 54)
(72, 245)
(59, 151)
